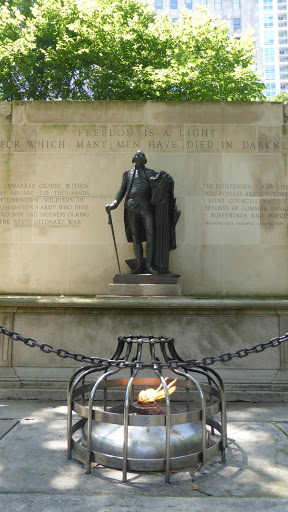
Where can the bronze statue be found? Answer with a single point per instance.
(150, 215)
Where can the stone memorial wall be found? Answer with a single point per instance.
(61, 162)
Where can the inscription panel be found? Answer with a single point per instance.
(243, 204)
(44, 204)
(50, 212)
(245, 213)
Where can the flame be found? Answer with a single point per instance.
(147, 396)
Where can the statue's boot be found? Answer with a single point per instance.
(138, 250)
(151, 270)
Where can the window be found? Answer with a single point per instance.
(236, 4)
(268, 41)
(270, 86)
(236, 23)
(203, 2)
(158, 4)
(270, 72)
(282, 52)
(217, 4)
(268, 37)
(173, 4)
(174, 20)
(267, 5)
(269, 55)
(270, 89)
(268, 20)
(188, 4)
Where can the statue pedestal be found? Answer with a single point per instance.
(145, 284)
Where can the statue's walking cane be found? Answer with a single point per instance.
(114, 239)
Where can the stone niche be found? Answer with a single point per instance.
(61, 162)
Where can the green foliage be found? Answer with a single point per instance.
(282, 96)
(120, 49)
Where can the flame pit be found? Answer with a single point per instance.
(152, 436)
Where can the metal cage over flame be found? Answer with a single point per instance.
(154, 437)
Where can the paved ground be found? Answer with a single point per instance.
(36, 476)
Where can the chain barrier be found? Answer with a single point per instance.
(123, 363)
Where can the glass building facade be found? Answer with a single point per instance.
(273, 38)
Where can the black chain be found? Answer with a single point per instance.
(103, 362)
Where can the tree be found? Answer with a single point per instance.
(120, 49)
(282, 96)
